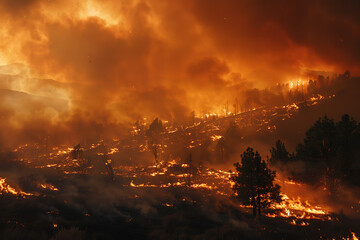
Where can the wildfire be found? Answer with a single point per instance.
(6, 188)
(297, 83)
(113, 150)
(295, 208)
(141, 185)
(175, 173)
(215, 137)
(49, 186)
(302, 223)
(293, 183)
(354, 236)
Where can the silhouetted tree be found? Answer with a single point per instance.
(254, 182)
(221, 149)
(348, 152)
(331, 152)
(280, 157)
(320, 141)
(153, 134)
(319, 151)
(156, 127)
(345, 76)
(153, 146)
(229, 143)
(279, 154)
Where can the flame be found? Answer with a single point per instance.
(168, 204)
(302, 223)
(354, 236)
(296, 83)
(208, 115)
(113, 150)
(203, 185)
(141, 185)
(6, 188)
(291, 85)
(215, 137)
(295, 208)
(49, 186)
(176, 173)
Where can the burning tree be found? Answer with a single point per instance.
(254, 182)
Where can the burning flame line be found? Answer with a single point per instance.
(6, 188)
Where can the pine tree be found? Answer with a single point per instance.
(319, 153)
(279, 154)
(254, 182)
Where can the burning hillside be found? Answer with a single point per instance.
(73, 173)
(197, 119)
(161, 191)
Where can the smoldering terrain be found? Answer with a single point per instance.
(123, 119)
(116, 188)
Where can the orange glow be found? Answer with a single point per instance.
(354, 236)
(137, 108)
(6, 188)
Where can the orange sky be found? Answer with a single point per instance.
(116, 61)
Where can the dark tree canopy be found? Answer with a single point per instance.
(331, 153)
(320, 141)
(279, 154)
(156, 127)
(254, 182)
(229, 144)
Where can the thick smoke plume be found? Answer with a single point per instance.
(99, 64)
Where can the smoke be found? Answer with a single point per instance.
(113, 62)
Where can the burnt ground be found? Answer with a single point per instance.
(91, 207)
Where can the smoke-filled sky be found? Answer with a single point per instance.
(92, 63)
